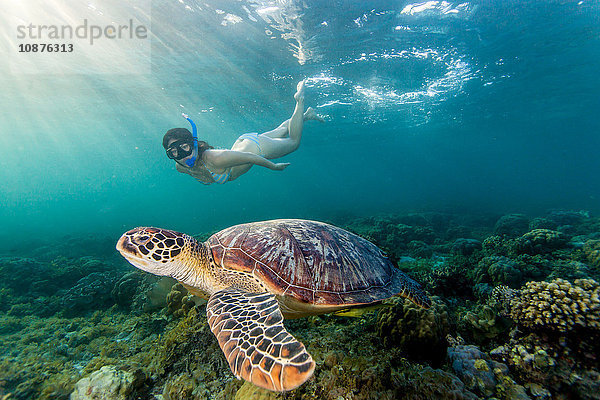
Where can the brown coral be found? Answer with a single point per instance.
(179, 301)
(558, 305)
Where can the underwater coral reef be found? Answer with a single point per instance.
(515, 315)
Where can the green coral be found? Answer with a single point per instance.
(384, 376)
(542, 223)
(498, 270)
(126, 288)
(483, 324)
(446, 278)
(512, 225)
(498, 245)
(465, 247)
(392, 233)
(571, 270)
(179, 387)
(189, 356)
(540, 241)
(591, 249)
(250, 392)
(419, 249)
(535, 267)
(420, 333)
(513, 272)
(423, 383)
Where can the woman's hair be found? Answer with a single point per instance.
(184, 134)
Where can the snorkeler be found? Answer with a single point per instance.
(209, 165)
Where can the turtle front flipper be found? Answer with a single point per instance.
(250, 331)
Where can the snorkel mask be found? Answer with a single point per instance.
(182, 148)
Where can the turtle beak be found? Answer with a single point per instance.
(126, 248)
(130, 252)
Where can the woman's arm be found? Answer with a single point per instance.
(231, 158)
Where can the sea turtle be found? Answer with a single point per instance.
(255, 274)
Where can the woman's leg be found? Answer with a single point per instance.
(282, 130)
(297, 121)
(275, 147)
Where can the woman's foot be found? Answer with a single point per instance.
(299, 96)
(311, 115)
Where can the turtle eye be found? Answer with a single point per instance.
(140, 239)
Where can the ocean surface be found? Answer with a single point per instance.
(473, 110)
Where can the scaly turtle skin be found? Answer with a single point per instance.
(255, 274)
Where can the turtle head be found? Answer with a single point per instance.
(158, 251)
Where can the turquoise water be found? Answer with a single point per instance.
(487, 106)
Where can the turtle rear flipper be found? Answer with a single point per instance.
(250, 331)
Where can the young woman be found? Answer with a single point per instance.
(209, 165)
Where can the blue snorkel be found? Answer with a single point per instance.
(190, 163)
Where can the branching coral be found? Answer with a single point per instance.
(558, 305)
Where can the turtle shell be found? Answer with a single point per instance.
(314, 262)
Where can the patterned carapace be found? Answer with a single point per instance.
(314, 262)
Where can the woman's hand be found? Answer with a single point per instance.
(280, 166)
